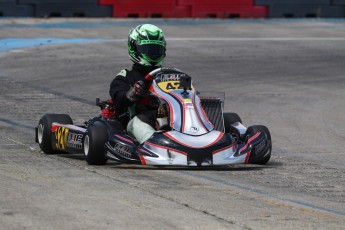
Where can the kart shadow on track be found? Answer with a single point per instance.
(120, 166)
(202, 168)
(186, 168)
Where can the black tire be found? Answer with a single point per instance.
(44, 134)
(231, 118)
(93, 145)
(261, 128)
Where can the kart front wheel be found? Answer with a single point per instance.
(93, 145)
(260, 128)
(44, 133)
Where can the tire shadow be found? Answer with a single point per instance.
(188, 168)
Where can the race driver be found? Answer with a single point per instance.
(147, 48)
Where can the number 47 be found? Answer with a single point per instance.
(171, 86)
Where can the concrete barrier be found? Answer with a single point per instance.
(174, 8)
(186, 8)
(10, 8)
(145, 8)
(67, 8)
(338, 2)
(224, 9)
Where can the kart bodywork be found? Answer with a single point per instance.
(194, 131)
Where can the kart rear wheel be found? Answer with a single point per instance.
(93, 145)
(260, 128)
(44, 133)
(229, 119)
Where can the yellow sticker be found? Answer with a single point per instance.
(167, 86)
(61, 137)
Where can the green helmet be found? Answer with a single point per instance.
(146, 45)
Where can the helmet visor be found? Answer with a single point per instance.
(151, 49)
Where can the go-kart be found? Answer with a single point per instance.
(193, 132)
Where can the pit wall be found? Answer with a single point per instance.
(174, 8)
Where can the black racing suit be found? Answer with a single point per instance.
(146, 108)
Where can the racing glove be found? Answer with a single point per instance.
(136, 92)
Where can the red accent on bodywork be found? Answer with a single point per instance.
(222, 149)
(250, 140)
(247, 157)
(253, 137)
(246, 146)
(54, 128)
(124, 139)
(144, 151)
(142, 159)
(149, 78)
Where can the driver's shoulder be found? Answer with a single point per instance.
(123, 73)
(128, 77)
(129, 74)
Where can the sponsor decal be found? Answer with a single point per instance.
(74, 141)
(168, 82)
(194, 129)
(169, 77)
(61, 134)
(123, 150)
(259, 147)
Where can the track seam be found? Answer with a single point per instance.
(48, 91)
(263, 193)
(32, 149)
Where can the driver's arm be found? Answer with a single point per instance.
(118, 90)
(124, 94)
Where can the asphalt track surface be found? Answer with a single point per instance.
(286, 74)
